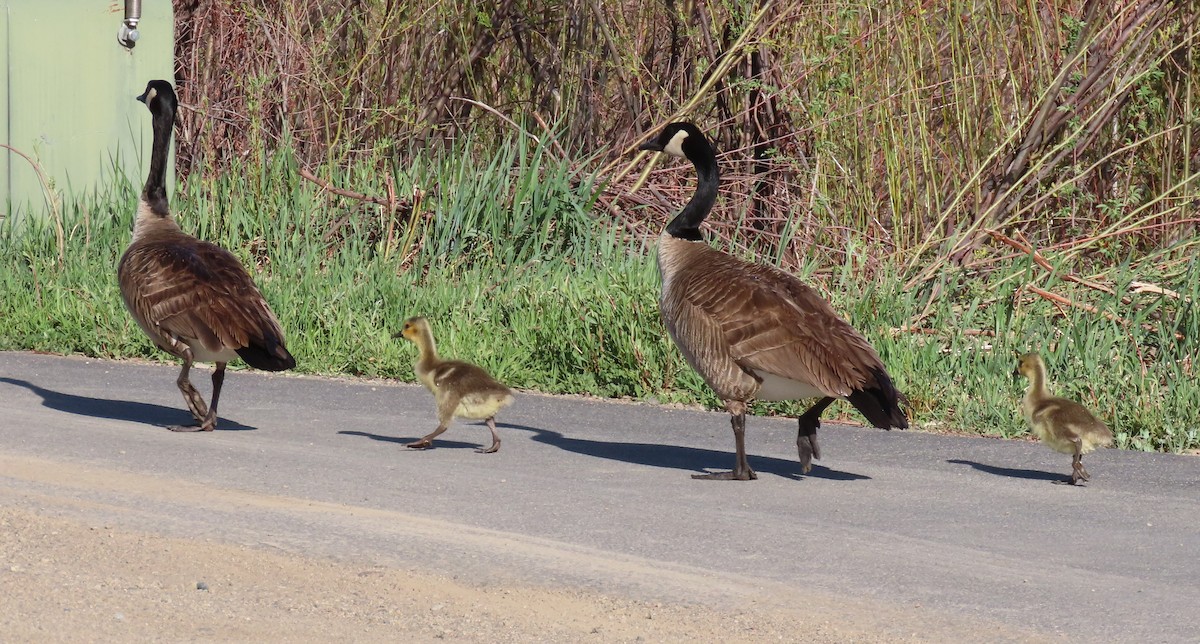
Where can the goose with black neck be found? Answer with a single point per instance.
(192, 298)
(753, 331)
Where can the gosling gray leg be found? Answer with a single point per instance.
(426, 441)
(491, 424)
(1078, 474)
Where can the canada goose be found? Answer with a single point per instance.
(192, 298)
(1064, 426)
(754, 331)
(461, 389)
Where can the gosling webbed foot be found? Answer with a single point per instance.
(491, 425)
(424, 443)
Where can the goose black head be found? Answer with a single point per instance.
(680, 139)
(159, 94)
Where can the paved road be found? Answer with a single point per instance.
(965, 537)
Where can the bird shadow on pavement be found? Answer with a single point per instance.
(694, 459)
(123, 410)
(437, 442)
(1011, 472)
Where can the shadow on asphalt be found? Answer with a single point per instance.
(1036, 475)
(437, 442)
(680, 458)
(134, 412)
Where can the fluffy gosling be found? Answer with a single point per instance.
(461, 389)
(1061, 424)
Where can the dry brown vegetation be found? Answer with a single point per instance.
(898, 127)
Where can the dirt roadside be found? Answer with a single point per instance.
(69, 580)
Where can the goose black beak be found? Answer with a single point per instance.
(142, 98)
(653, 146)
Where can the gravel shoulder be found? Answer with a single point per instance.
(75, 567)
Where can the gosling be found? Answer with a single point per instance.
(461, 389)
(1061, 424)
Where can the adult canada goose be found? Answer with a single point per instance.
(194, 299)
(754, 331)
(1061, 424)
(461, 389)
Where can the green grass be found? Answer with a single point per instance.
(516, 271)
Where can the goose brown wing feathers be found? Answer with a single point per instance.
(194, 290)
(771, 322)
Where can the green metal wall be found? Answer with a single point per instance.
(67, 91)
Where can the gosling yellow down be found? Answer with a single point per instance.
(461, 389)
(1061, 424)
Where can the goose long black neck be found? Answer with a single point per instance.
(155, 191)
(686, 225)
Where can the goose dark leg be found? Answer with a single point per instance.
(192, 397)
(806, 437)
(491, 424)
(218, 379)
(741, 470)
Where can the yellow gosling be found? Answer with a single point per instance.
(461, 389)
(1061, 424)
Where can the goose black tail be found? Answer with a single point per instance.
(269, 355)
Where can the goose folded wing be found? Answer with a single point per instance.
(774, 323)
(202, 291)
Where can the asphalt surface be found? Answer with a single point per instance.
(932, 529)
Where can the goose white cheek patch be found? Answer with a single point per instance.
(150, 95)
(674, 147)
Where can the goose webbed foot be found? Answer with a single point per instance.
(806, 443)
(198, 427)
(205, 423)
(741, 467)
(806, 435)
(746, 475)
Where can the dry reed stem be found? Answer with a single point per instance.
(358, 196)
(1041, 261)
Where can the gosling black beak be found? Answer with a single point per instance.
(398, 334)
(653, 146)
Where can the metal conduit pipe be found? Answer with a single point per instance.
(128, 34)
